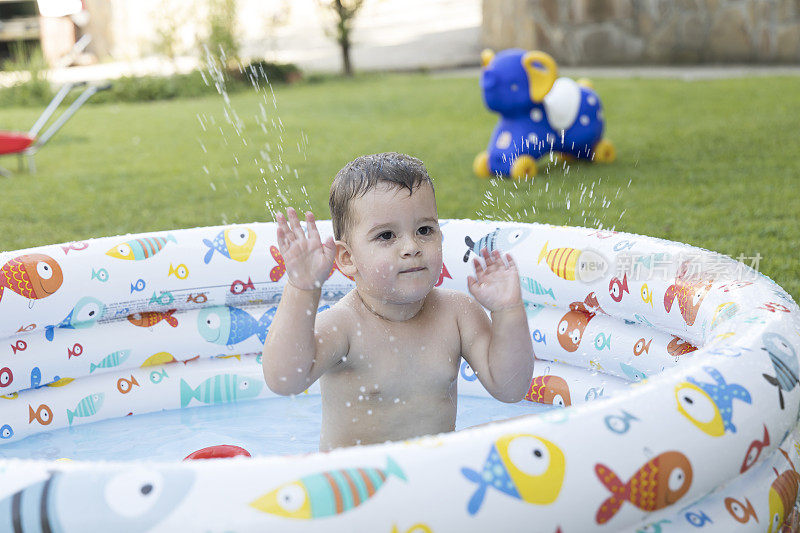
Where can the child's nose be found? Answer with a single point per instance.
(411, 248)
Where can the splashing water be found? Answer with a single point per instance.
(554, 196)
(258, 161)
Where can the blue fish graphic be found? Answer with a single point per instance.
(226, 325)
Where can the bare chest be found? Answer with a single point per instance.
(396, 361)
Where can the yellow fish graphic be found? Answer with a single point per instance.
(523, 466)
(572, 264)
(161, 358)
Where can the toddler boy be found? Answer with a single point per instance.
(388, 353)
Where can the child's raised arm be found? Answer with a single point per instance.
(295, 355)
(499, 351)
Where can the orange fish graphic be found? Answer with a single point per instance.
(572, 325)
(689, 290)
(551, 390)
(32, 276)
(661, 482)
(43, 414)
(678, 346)
(151, 318)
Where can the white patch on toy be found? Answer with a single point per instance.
(562, 103)
(532, 138)
(591, 99)
(584, 120)
(503, 140)
(536, 115)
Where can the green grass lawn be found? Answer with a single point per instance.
(710, 163)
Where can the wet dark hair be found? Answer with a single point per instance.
(365, 173)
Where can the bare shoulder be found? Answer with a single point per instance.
(338, 317)
(457, 302)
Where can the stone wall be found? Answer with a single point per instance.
(607, 32)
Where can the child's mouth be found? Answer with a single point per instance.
(409, 270)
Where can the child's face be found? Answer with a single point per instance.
(395, 245)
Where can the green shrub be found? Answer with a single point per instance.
(34, 92)
(261, 69)
(37, 92)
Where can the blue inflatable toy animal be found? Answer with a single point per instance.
(539, 113)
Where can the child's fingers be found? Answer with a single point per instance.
(478, 266)
(284, 234)
(294, 223)
(281, 235)
(311, 227)
(510, 261)
(329, 248)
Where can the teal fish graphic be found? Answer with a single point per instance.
(87, 406)
(166, 298)
(633, 373)
(111, 360)
(602, 341)
(100, 275)
(85, 314)
(534, 287)
(222, 388)
(156, 376)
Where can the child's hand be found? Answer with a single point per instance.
(308, 261)
(497, 286)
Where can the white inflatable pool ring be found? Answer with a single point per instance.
(684, 363)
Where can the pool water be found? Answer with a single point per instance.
(283, 425)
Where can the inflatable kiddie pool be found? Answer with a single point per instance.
(678, 368)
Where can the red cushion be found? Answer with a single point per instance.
(12, 142)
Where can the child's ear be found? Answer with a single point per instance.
(344, 259)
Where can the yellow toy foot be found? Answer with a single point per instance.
(480, 166)
(586, 82)
(604, 152)
(523, 167)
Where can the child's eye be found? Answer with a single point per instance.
(426, 230)
(385, 236)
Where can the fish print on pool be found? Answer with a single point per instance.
(130, 500)
(233, 243)
(140, 249)
(328, 493)
(709, 406)
(85, 314)
(226, 325)
(222, 388)
(88, 406)
(784, 361)
(501, 239)
(32, 276)
(522, 466)
(661, 482)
